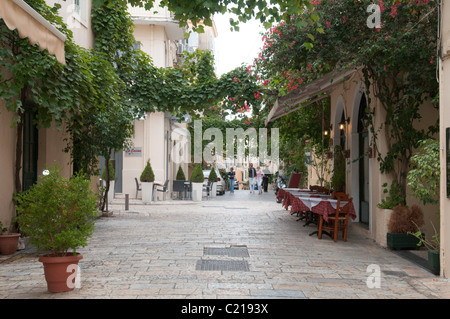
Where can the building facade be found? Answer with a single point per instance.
(42, 147)
(159, 137)
(348, 98)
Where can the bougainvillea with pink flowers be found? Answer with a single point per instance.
(398, 60)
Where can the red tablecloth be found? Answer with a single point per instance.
(298, 206)
(280, 194)
(323, 208)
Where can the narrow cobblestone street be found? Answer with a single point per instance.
(237, 245)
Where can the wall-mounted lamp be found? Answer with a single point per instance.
(327, 130)
(342, 124)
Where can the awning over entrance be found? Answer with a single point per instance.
(19, 15)
(307, 94)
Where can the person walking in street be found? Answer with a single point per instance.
(231, 175)
(251, 178)
(259, 178)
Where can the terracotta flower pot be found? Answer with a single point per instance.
(60, 272)
(8, 243)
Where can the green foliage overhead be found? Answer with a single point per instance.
(147, 174)
(197, 174)
(199, 12)
(398, 62)
(58, 213)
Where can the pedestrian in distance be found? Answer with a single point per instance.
(259, 178)
(251, 178)
(231, 176)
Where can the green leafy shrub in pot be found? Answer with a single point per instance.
(197, 174)
(58, 213)
(147, 175)
(180, 175)
(212, 176)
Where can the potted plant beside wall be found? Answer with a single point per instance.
(402, 223)
(433, 245)
(424, 180)
(147, 179)
(8, 241)
(58, 214)
(197, 179)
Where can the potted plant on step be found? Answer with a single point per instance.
(197, 179)
(8, 241)
(58, 214)
(147, 179)
(402, 222)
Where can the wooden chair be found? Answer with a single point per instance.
(137, 187)
(336, 222)
(341, 195)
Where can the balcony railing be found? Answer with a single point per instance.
(155, 12)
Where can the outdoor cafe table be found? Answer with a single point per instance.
(288, 194)
(322, 205)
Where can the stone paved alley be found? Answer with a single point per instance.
(233, 246)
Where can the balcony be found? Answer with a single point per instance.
(158, 16)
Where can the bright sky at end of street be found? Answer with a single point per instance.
(236, 47)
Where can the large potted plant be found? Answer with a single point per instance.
(197, 179)
(212, 178)
(8, 241)
(424, 180)
(402, 222)
(147, 179)
(58, 214)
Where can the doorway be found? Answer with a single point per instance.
(30, 149)
(363, 141)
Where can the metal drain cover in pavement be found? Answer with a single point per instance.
(222, 265)
(230, 251)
